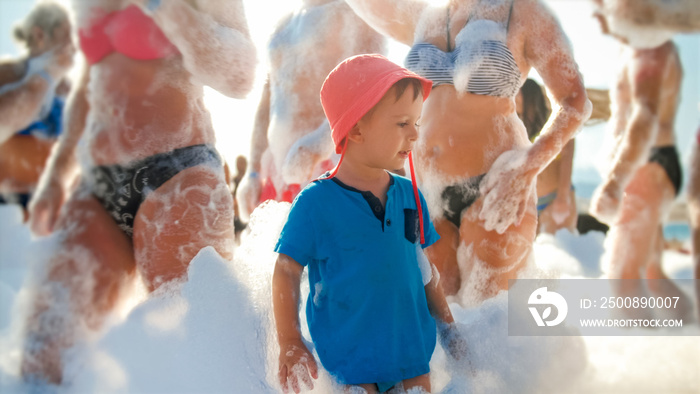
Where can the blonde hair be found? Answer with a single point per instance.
(47, 15)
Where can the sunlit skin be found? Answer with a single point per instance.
(124, 110)
(648, 14)
(556, 177)
(23, 157)
(291, 136)
(462, 134)
(380, 141)
(681, 16)
(694, 213)
(635, 194)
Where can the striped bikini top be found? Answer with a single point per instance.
(480, 63)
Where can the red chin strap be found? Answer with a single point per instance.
(417, 196)
(342, 155)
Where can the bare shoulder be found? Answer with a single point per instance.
(11, 70)
(533, 15)
(229, 13)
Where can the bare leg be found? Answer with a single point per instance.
(369, 388)
(634, 241)
(694, 213)
(660, 284)
(443, 254)
(547, 223)
(83, 283)
(422, 382)
(187, 213)
(502, 255)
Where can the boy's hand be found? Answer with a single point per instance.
(296, 363)
(453, 342)
(456, 347)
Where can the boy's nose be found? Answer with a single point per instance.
(413, 133)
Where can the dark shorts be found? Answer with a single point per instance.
(16, 198)
(122, 189)
(667, 158)
(459, 197)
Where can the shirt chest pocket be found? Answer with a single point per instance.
(411, 225)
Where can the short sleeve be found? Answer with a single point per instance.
(431, 236)
(297, 239)
(426, 269)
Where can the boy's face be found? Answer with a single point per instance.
(389, 132)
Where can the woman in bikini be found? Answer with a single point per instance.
(291, 142)
(556, 200)
(152, 190)
(475, 163)
(31, 99)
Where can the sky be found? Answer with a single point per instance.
(595, 54)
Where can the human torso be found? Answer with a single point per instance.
(12, 71)
(669, 78)
(140, 105)
(47, 122)
(462, 133)
(304, 49)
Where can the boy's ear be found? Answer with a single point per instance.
(355, 134)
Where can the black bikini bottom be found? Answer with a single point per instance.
(667, 157)
(459, 197)
(16, 198)
(122, 189)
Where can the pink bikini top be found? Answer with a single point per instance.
(129, 32)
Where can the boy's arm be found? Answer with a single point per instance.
(285, 298)
(451, 339)
(294, 356)
(437, 303)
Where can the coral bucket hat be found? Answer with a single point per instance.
(355, 86)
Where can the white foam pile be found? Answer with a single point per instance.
(215, 333)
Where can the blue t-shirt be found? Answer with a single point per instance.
(367, 311)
